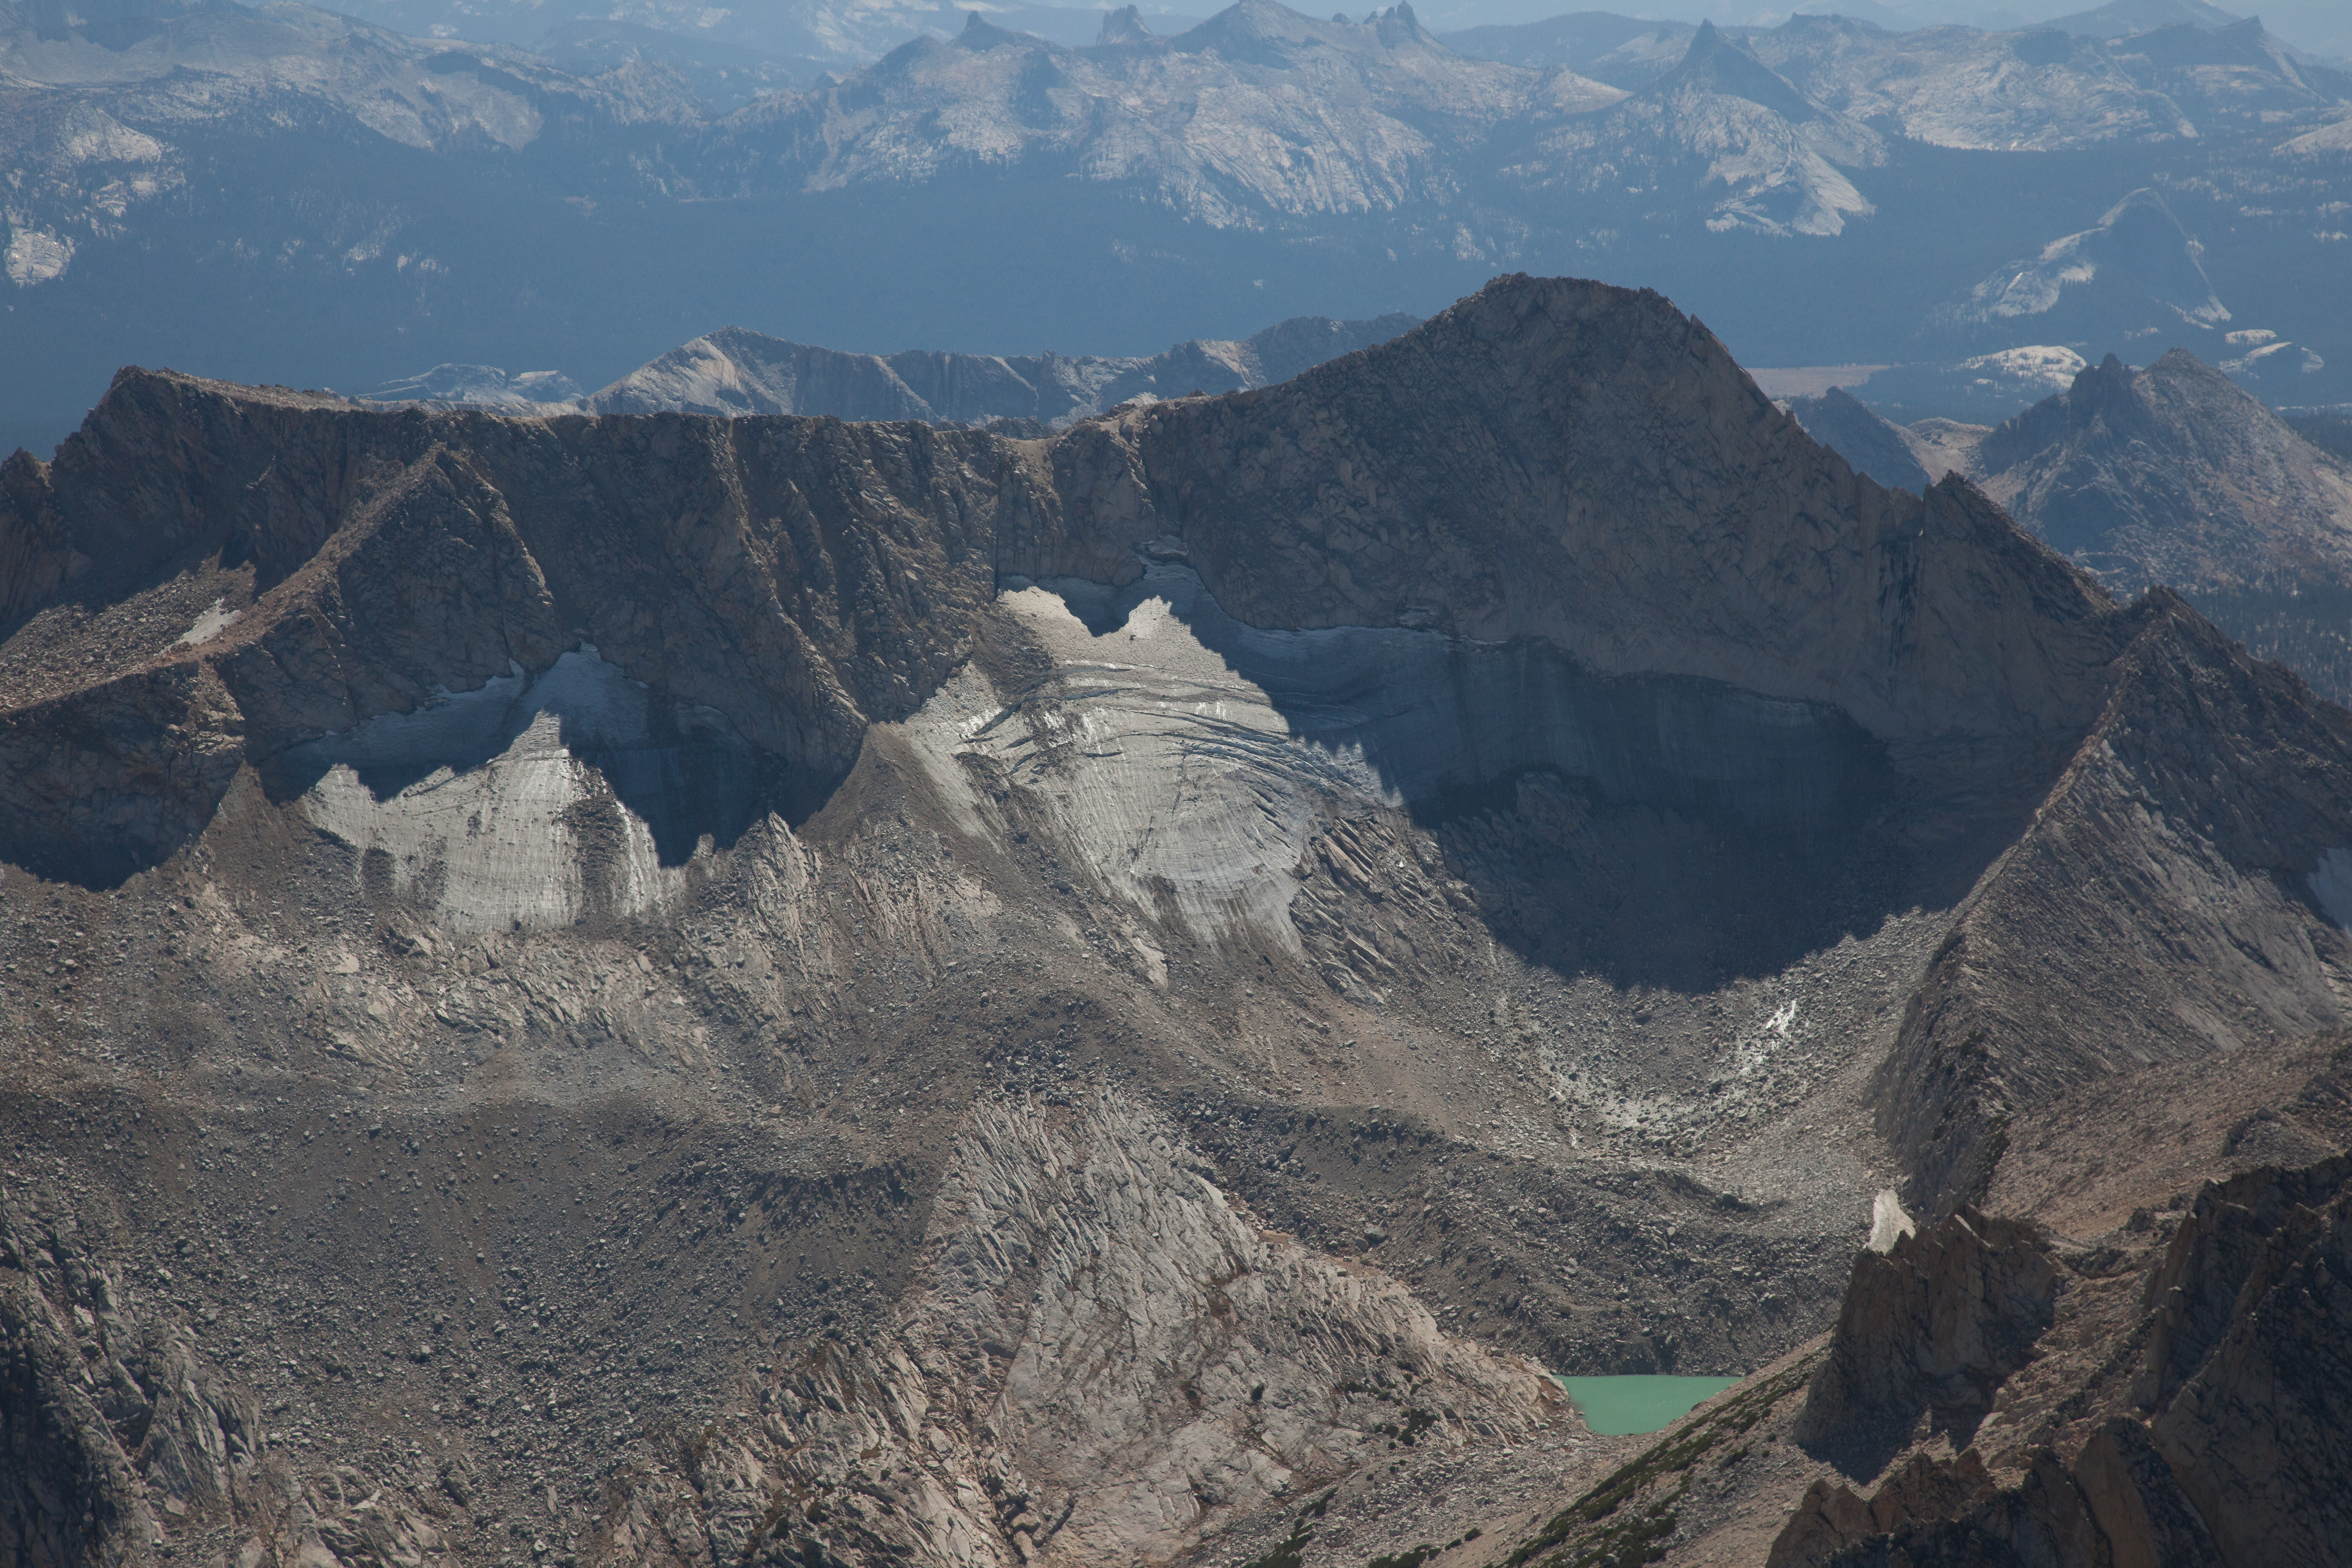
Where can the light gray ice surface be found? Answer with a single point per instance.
(487, 827)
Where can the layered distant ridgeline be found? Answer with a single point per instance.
(734, 372)
(2168, 475)
(676, 989)
(283, 194)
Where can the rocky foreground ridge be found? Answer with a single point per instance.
(677, 989)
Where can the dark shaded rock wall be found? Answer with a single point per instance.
(799, 578)
(2231, 1453)
(1583, 464)
(1930, 1329)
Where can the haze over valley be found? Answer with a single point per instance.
(277, 194)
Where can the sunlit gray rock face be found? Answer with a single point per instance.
(1288, 114)
(2136, 266)
(1426, 714)
(1786, 165)
(2172, 474)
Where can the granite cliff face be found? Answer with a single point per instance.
(816, 550)
(1930, 1329)
(2079, 1383)
(2230, 1358)
(395, 568)
(1601, 548)
(683, 989)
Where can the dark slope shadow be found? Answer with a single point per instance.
(680, 793)
(1659, 830)
(683, 792)
(683, 783)
(683, 779)
(1645, 894)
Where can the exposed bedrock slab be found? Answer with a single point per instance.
(1099, 1357)
(538, 799)
(2168, 862)
(1929, 1329)
(2197, 1434)
(121, 1423)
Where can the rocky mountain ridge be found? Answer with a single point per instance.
(1367, 117)
(1719, 115)
(2169, 474)
(735, 372)
(678, 989)
(1998, 1388)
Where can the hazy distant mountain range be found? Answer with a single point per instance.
(279, 194)
(733, 372)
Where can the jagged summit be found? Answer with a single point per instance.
(979, 32)
(1535, 388)
(1789, 176)
(1715, 66)
(1346, 97)
(2175, 474)
(1262, 31)
(1511, 458)
(1268, 128)
(1124, 25)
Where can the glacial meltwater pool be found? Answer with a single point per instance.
(1618, 1406)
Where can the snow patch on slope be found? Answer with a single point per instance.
(1190, 757)
(486, 806)
(2331, 884)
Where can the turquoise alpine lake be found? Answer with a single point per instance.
(1621, 1406)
